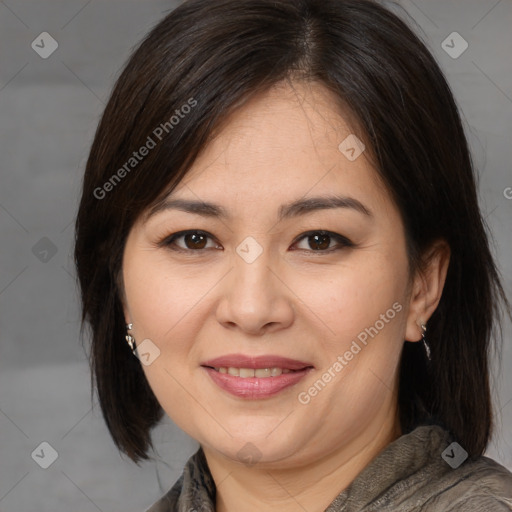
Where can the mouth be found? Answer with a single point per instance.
(255, 377)
(260, 373)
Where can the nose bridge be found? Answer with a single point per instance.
(252, 267)
(253, 297)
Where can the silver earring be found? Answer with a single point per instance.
(427, 347)
(130, 339)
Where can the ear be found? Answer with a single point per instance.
(427, 288)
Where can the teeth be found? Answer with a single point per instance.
(251, 372)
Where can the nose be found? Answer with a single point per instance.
(255, 297)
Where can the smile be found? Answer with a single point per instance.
(255, 377)
(254, 387)
(260, 373)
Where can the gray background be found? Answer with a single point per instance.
(49, 109)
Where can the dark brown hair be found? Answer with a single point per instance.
(216, 55)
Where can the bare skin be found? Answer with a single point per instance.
(300, 298)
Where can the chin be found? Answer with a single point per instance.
(256, 447)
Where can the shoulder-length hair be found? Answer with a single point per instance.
(215, 55)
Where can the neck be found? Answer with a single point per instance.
(311, 486)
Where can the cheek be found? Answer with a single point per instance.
(160, 296)
(354, 296)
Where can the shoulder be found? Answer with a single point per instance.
(479, 484)
(426, 470)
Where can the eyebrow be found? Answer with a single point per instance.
(286, 211)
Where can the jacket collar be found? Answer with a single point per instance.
(389, 474)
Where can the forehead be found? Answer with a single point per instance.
(289, 120)
(286, 143)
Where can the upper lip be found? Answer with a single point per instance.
(266, 361)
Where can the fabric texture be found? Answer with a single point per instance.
(409, 475)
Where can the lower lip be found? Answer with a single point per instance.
(254, 388)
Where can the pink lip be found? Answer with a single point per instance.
(268, 361)
(253, 387)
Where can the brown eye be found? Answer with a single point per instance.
(320, 241)
(191, 241)
(195, 241)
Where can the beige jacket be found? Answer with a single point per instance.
(421, 471)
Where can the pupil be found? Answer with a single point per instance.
(323, 243)
(197, 241)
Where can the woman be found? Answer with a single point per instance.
(279, 219)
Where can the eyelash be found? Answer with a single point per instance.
(169, 241)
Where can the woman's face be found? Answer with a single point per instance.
(311, 302)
